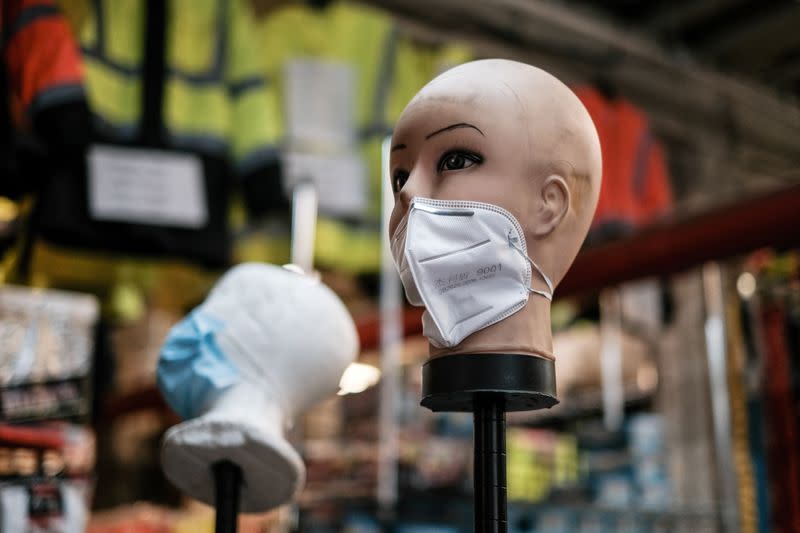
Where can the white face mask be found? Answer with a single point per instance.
(466, 263)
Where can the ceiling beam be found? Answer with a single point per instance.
(787, 69)
(676, 15)
(757, 37)
(579, 45)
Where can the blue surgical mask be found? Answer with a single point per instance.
(193, 371)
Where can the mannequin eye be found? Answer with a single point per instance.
(458, 160)
(399, 178)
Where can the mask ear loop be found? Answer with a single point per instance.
(549, 295)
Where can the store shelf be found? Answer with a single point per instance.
(771, 220)
(33, 437)
(673, 515)
(368, 327)
(577, 407)
(143, 399)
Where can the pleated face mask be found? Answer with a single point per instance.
(193, 371)
(466, 263)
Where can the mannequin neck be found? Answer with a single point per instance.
(525, 332)
(247, 404)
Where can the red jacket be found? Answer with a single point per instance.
(41, 56)
(636, 185)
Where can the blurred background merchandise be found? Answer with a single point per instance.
(149, 145)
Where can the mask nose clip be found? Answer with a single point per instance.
(512, 242)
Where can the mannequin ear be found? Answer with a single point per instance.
(553, 205)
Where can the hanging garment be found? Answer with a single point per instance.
(174, 88)
(42, 93)
(752, 336)
(43, 111)
(387, 67)
(793, 344)
(783, 439)
(742, 460)
(636, 187)
(45, 71)
(11, 183)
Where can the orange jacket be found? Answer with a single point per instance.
(41, 56)
(636, 185)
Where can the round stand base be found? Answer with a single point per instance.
(524, 382)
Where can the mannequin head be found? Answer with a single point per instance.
(511, 135)
(241, 368)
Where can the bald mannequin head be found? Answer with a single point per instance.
(511, 135)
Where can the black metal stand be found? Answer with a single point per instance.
(490, 464)
(489, 385)
(227, 482)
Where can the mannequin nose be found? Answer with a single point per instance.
(417, 185)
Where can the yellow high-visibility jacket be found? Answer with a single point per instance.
(215, 101)
(390, 67)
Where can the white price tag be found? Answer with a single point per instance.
(146, 187)
(340, 180)
(320, 109)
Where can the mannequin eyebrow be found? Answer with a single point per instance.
(453, 127)
(437, 132)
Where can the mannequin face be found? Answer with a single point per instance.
(507, 134)
(510, 135)
(451, 147)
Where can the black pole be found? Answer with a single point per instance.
(228, 482)
(490, 464)
(489, 385)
